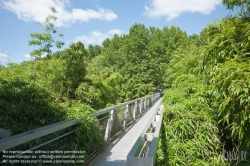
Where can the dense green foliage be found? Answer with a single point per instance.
(207, 110)
(190, 132)
(227, 71)
(140, 58)
(43, 91)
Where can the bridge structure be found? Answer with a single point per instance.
(130, 132)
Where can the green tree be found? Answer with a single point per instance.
(94, 51)
(45, 40)
(243, 4)
(227, 68)
(71, 70)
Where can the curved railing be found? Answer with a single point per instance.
(114, 120)
(118, 117)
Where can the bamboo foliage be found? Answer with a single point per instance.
(192, 136)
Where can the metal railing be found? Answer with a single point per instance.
(144, 150)
(117, 118)
(22, 138)
(113, 119)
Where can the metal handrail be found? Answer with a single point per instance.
(22, 138)
(105, 110)
(142, 103)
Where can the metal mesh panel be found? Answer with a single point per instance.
(63, 143)
(142, 105)
(118, 124)
(39, 147)
(55, 139)
(115, 128)
(103, 122)
(137, 112)
(130, 110)
(120, 113)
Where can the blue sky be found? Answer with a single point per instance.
(91, 21)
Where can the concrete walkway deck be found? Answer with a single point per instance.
(116, 153)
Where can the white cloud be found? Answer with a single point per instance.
(173, 8)
(3, 57)
(37, 10)
(97, 37)
(27, 56)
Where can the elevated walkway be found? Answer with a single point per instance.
(127, 128)
(116, 153)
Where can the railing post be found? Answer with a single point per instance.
(125, 116)
(145, 104)
(109, 126)
(141, 106)
(152, 99)
(135, 110)
(148, 102)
